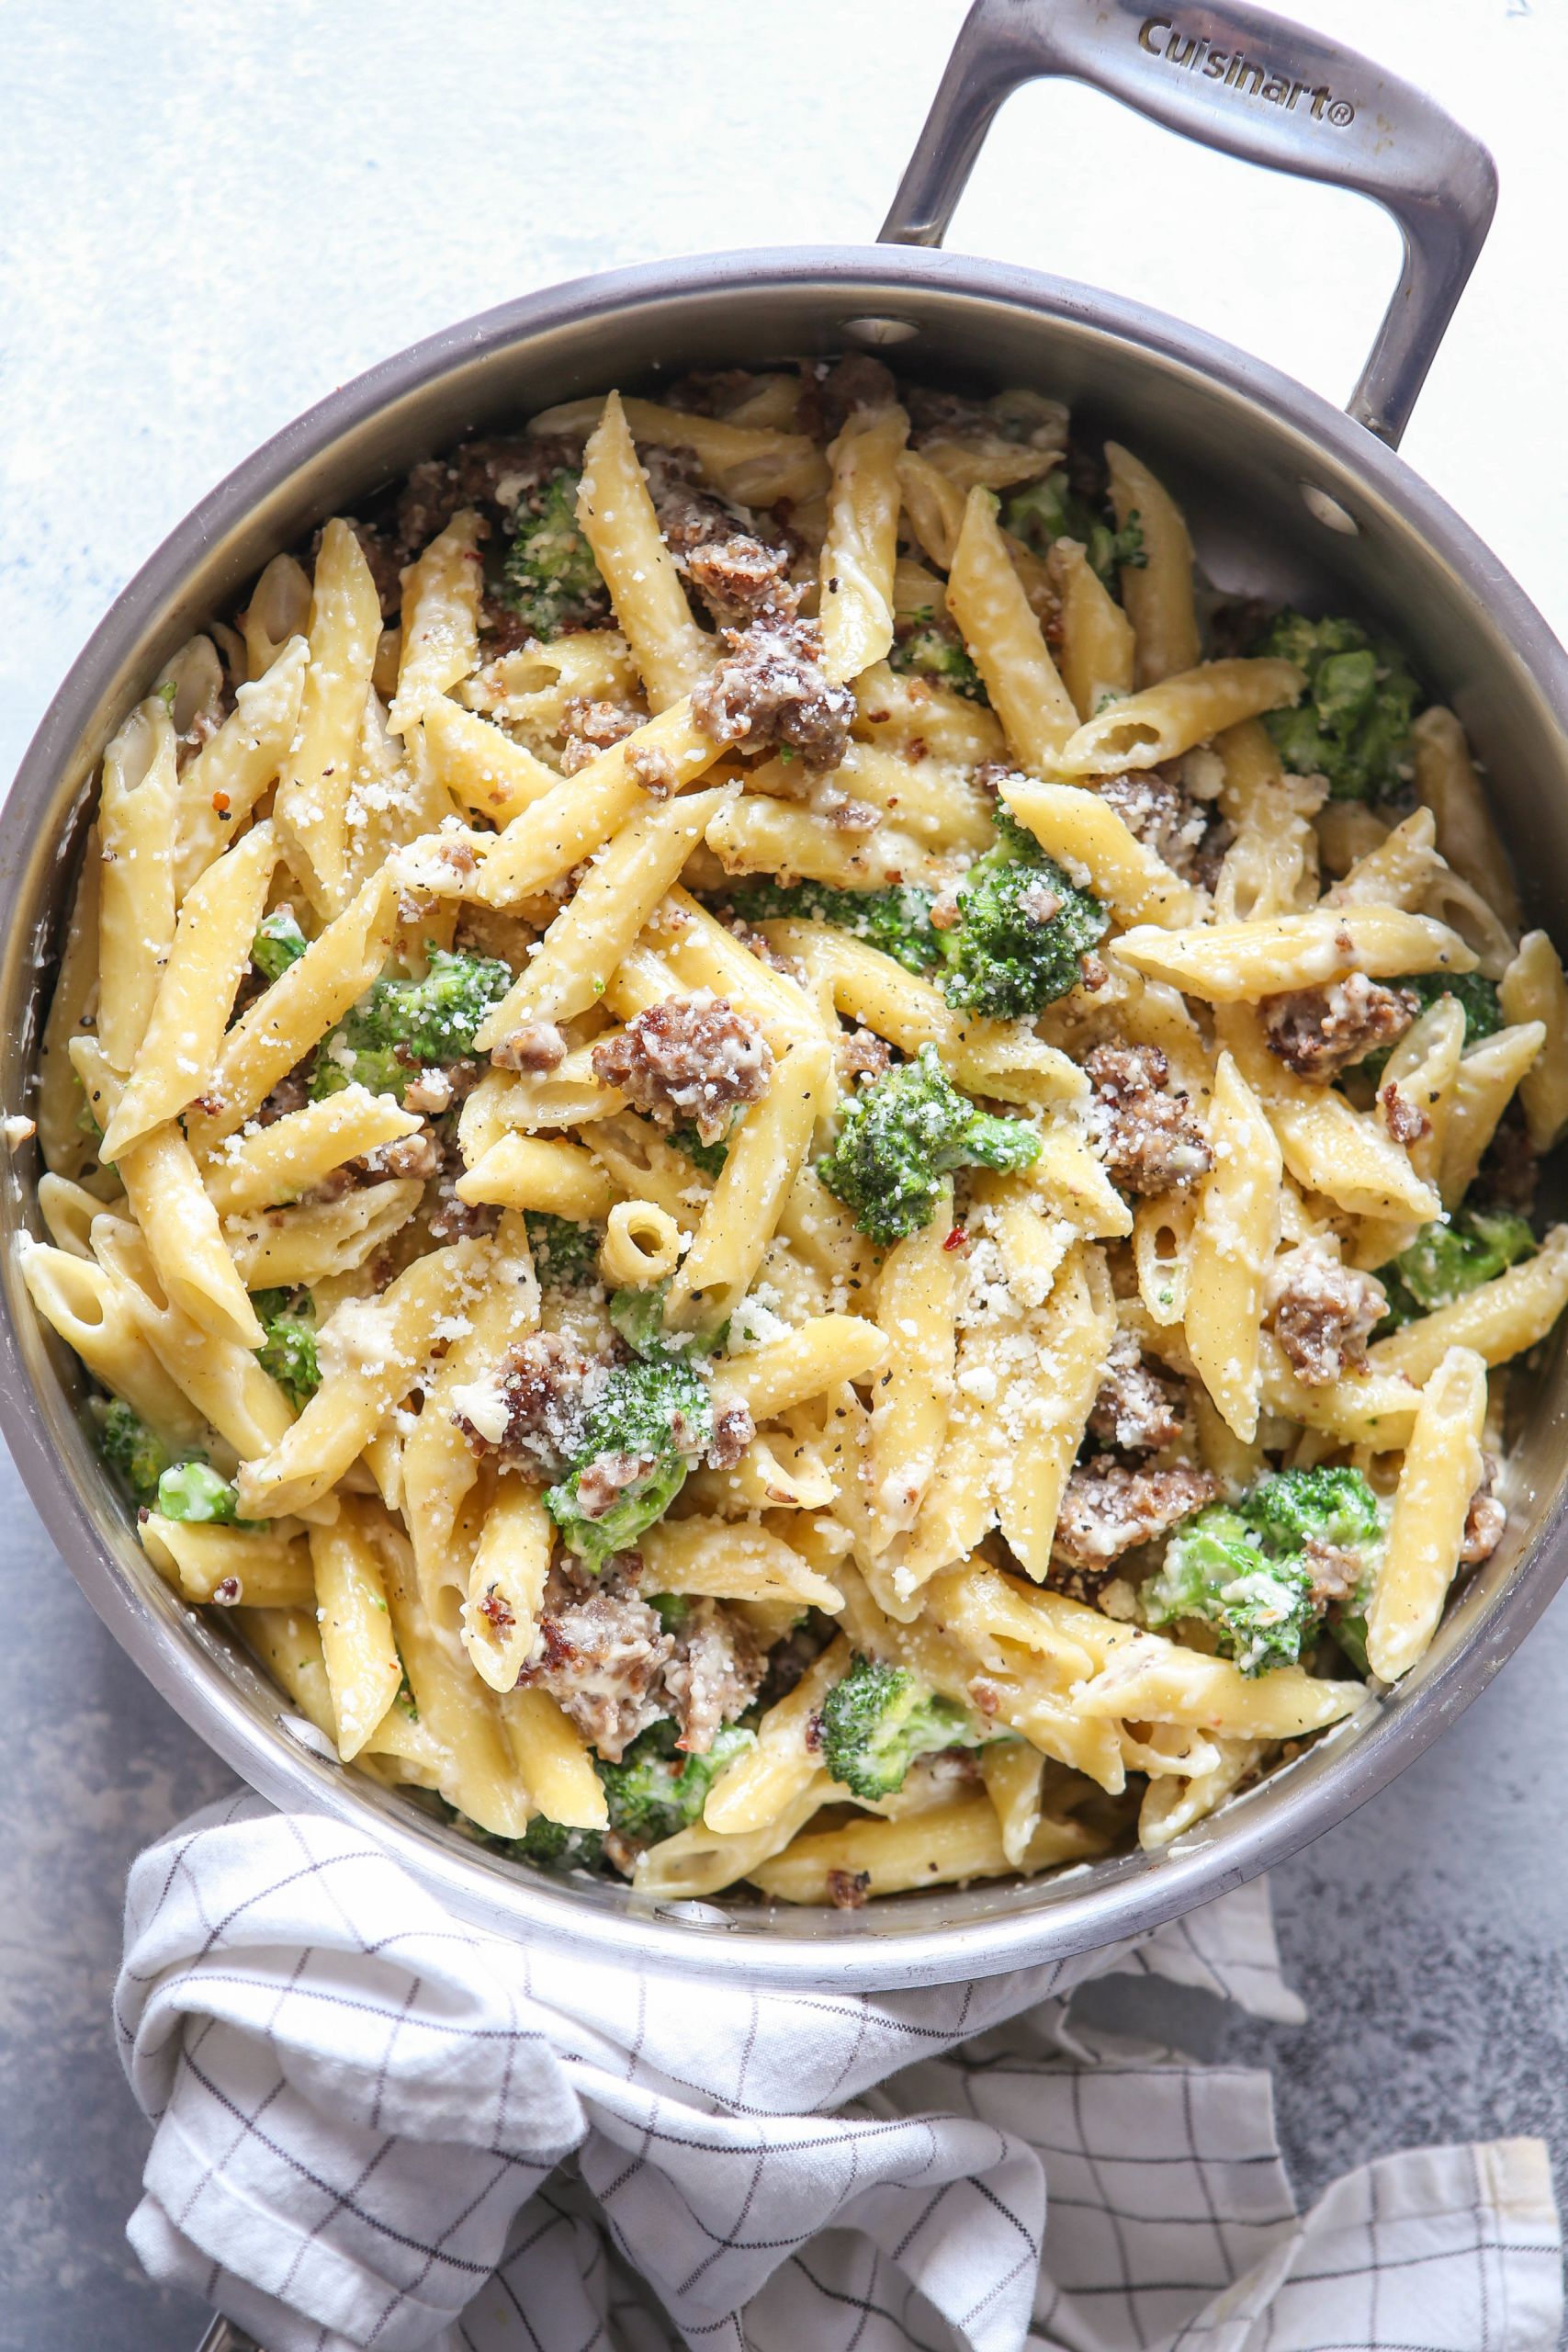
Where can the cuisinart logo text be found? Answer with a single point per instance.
(1234, 69)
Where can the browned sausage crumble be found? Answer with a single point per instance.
(1110, 1506)
(1319, 1032)
(1146, 1131)
(690, 1061)
(1322, 1313)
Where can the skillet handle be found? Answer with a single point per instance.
(1252, 84)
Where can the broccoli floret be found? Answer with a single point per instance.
(654, 1413)
(287, 1354)
(398, 1025)
(555, 1848)
(1475, 996)
(550, 579)
(707, 1157)
(924, 647)
(278, 942)
(1051, 509)
(136, 1455)
(565, 1255)
(1022, 931)
(878, 1718)
(1444, 1261)
(1352, 724)
(898, 921)
(1246, 1570)
(900, 1136)
(638, 1316)
(654, 1792)
(192, 1490)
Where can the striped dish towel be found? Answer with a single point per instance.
(376, 2126)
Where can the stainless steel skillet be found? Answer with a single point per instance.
(1286, 495)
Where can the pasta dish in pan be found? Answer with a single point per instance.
(785, 1167)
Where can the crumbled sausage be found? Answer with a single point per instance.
(1138, 1407)
(600, 1652)
(771, 689)
(496, 1610)
(1152, 804)
(829, 396)
(863, 1054)
(738, 578)
(498, 475)
(531, 1408)
(1486, 1518)
(690, 1060)
(711, 391)
(1146, 1132)
(419, 1155)
(848, 815)
(535, 1046)
(1336, 1573)
(1509, 1173)
(1110, 1506)
(1406, 1120)
(292, 1094)
(1322, 1312)
(847, 1890)
(713, 1674)
(732, 1432)
(1318, 1032)
(649, 766)
(689, 516)
(946, 414)
(591, 726)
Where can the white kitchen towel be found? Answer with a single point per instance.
(379, 2127)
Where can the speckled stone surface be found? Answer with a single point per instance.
(207, 219)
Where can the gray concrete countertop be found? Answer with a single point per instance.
(210, 218)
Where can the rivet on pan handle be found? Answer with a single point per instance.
(1251, 84)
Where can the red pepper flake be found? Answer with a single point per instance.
(956, 1238)
(221, 802)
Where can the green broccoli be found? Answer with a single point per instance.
(900, 1136)
(399, 1025)
(1353, 723)
(278, 942)
(1248, 1570)
(556, 1848)
(1022, 930)
(1445, 1260)
(565, 1255)
(192, 1490)
(136, 1455)
(897, 921)
(652, 1793)
(1476, 997)
(287, 1354)
(1051, 509)
(550, 579)
(878, 1718)
(638, 1316)
(924, 647)
(655, 1790)
(707, 1157)
(650, 1423)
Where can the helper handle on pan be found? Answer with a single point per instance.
(1253, 84)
